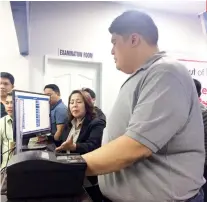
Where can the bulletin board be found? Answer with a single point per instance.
(198, 70)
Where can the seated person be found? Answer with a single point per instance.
(92, 94)
(85, 134)
(204, 114)
(6, 131)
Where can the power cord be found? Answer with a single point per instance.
(8, 151)
(9, 155)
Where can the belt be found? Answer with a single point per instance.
(188, 200)
(199, 193)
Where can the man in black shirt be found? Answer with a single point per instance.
(6, 86)
(204, 114)
(99, 112)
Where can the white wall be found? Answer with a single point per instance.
(84, 27)
(10, 58)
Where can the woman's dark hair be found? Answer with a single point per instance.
(90, 109)
(91, 92)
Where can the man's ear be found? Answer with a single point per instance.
(135, 39)
(12, 89)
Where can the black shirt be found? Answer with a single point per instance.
(100, 114)
(204, 113)
(2, 109)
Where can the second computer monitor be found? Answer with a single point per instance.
(31, 113)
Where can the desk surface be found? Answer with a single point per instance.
(82, 198)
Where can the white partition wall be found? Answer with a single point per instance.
(10, 59)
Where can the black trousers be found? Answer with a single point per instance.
(106, 200)
(95, 193)
(205, 185)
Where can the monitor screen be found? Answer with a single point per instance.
(31, 112)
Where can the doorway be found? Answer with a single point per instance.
(70, 74)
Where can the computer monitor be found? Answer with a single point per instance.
(31, 114)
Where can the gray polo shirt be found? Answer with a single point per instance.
(158, 107)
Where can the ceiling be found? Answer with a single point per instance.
(187, 7)
(20, 11)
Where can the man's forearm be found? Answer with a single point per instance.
(115, 156)
(59, 131)
(58, 134)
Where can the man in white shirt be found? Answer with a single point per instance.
(6, 131)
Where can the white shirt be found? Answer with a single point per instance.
(75, 130)
(6, 135)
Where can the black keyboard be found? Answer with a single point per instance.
(51, 147)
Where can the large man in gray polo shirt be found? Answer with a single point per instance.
(153, 148)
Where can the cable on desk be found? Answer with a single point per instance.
(10, 151)
(7, 151)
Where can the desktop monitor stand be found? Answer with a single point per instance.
(19, 124)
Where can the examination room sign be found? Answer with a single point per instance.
(73, 53)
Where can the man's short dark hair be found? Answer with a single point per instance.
(91, 92)
(54, 87)
(134, 21)
(8, 76)
(198, 86)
